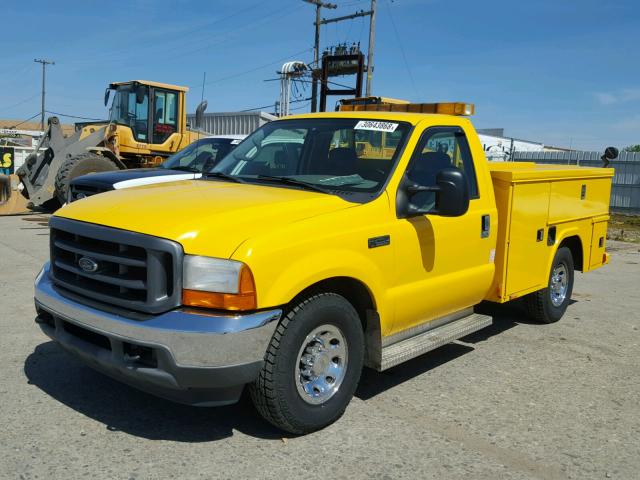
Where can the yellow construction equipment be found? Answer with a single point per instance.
(147, 123)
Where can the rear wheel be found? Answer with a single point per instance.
(312, 366)
(549, 304)
(80, 165)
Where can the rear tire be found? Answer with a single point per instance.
(312, 366)
(549, 304)
(80, 165)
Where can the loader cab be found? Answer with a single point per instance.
(152, 111)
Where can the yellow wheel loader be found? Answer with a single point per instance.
(147, 123)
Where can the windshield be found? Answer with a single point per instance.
(125, 110)
(340, 155)
(200, 156)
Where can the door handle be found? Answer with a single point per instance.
(486, 226)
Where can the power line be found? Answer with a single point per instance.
(19, 103)
(271, 105)
(73, 116)
(25, 121)
(176, 38)
(239, 74)
(404, 56)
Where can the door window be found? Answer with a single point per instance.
(166, 115)
(138, 115)
(440, 148)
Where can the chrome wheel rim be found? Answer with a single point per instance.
(321, 364)
(559, 285)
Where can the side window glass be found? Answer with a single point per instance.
(440, 148)
(138, 114)
(165, 115)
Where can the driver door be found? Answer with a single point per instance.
(444, 264)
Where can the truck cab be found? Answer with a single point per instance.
(300, 258)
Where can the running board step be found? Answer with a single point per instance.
(412, 347)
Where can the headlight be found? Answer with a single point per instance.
(217, 283)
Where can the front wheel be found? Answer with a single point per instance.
(80, 165)
(312, 366)
(549, 304)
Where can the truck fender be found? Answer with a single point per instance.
(562, 234)
(314, 268)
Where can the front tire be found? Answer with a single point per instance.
(312, 366)
(549, 304)
(80, 165)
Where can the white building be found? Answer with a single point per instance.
(499, 148)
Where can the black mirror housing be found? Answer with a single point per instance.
(610, 153)
(452, 195)
(107, 93)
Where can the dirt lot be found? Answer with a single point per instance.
(624, 228)
(517, 400)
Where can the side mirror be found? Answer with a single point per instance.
(107, 93)
(451, 195)
(610, 153)
(141, 92)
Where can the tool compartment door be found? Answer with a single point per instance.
(528, 252)
(598, 244)
(579, 198)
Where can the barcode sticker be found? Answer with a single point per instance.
(376, 126)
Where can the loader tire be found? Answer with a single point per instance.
(80, 165)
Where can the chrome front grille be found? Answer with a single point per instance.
(116, 267)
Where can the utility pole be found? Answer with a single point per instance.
(44, 67)
(316, 50)
(372, 36)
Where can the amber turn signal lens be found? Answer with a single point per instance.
(245, 299)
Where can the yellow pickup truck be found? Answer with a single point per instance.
(295, 261)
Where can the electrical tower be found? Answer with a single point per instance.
(327, 69)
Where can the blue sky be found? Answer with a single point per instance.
(563, 72)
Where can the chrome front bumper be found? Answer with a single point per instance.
(184, 355)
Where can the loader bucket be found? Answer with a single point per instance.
(39, 171)
(12, 202)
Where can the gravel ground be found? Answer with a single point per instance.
(516, 400)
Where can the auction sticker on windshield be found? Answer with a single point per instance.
(376, 126)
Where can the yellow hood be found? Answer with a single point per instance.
(206, 217)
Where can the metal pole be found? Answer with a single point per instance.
(316, 58)
(44, 68)
(372, 27)
(316, 50)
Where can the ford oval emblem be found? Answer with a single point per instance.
(88, 265)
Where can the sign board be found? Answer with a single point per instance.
(7, 159)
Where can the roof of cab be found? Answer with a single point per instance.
(168, 86)
(412, 118)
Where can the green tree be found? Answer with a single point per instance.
(632, 148)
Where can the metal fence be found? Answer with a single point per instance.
(232, 123)
(625, 192)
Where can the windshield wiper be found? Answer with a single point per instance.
(295, 182)
(183, 169)
(223, 176)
